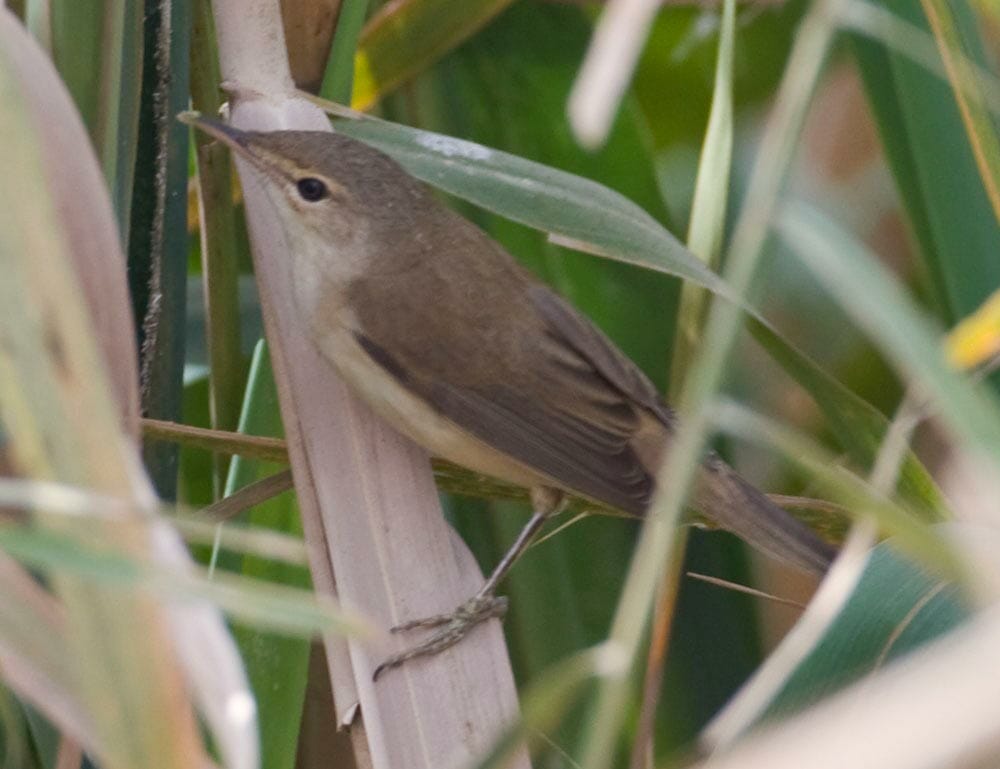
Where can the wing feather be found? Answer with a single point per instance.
(571, 413)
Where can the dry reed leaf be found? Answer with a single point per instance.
(88, 224)
(370, 509)
(63, 401)
(309, 26)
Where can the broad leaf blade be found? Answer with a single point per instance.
(577, 210)
(936, 173)
(895, 608)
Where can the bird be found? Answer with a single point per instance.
(458, 346)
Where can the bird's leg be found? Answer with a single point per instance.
(484, 604)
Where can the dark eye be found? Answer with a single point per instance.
(311, 189)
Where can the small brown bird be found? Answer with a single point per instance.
(447, 337)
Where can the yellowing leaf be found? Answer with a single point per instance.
(976, 338)
(406, 37)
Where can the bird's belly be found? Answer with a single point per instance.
(413, 417)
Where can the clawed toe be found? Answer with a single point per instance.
(474, 610)
(453, 628)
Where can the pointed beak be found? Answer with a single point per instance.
(238, 141)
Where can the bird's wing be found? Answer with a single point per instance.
(619, 374)
(582, 414)
(573, 416)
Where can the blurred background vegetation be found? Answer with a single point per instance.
(901, 155)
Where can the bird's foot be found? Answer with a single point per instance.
(452, 628)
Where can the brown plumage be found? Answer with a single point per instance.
(464, 350)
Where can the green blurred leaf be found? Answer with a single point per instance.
(97, 48)
(895, 607)
(15, 752)
(194, 485)
(338, 80)
(960, 46)
(707, 226)
(27, 739)
(406, 37)
(277, 665)
(849, 490)
(220, 244)
(677, 66)
(44, 737)
(947, 206)
(276, 607)
(906, 335)
(711, 192)
(858, 426)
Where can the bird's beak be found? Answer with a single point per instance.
(238, 141)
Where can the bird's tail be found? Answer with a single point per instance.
(735, 505)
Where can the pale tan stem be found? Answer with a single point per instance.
(370, 509)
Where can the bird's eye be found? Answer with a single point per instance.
(311, 189)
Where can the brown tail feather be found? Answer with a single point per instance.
(732, 503)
